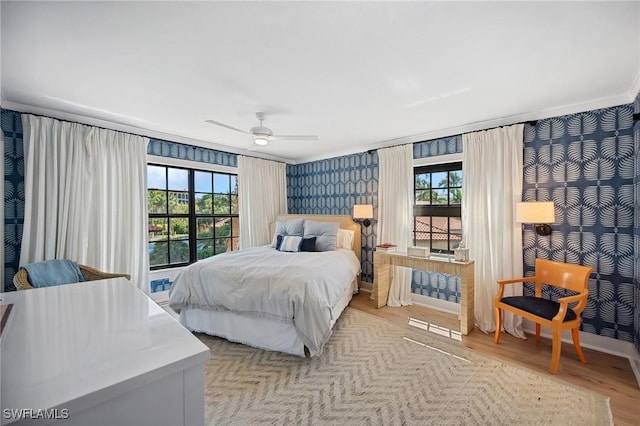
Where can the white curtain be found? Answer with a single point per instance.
(262, 196)
(395, 213)
(85, 197)
(492, 184)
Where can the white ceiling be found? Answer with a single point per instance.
(360, 75)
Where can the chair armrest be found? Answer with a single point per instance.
(516, 280)
(92, 274)
(564, 305)
(502, 283)
(21, 280)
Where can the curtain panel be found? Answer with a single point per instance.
(395, 213)
(262, 196)
(492, 184)
(85, 197)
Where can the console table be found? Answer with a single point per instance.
(383, 272)
(98, 353)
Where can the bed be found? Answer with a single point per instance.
(270, 298)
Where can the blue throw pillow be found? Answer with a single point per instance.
(308, 244)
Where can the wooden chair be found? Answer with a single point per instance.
(21, 279)
(558, 315)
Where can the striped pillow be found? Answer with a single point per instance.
(291, 243)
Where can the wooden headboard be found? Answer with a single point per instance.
(345, 221)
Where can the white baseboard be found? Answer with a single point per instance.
(437, 304)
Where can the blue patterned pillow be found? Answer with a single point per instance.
(291, 243)
(287, 227)
(308, 244)
(326, 234)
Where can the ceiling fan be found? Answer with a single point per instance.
(262, 135)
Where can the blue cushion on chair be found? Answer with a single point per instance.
(544, 308)
(53, 272)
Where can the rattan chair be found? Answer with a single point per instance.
(21, 280)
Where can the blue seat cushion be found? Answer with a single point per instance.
(53, 272)
(544, 308)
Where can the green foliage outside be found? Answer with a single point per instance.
(425, 193)
(177, 228)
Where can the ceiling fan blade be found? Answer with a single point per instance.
(295, 138)
(227, 126)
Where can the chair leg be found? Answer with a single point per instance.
(537, 333)
(556, 347)
(576, 344)
(496, 337)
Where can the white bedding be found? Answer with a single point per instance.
(297, 288)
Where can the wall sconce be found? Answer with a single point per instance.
(363, 211)
(538, 213)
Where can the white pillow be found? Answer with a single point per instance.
(345, 239)
(325, 233)
(287, 227)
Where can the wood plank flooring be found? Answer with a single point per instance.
(606, 374)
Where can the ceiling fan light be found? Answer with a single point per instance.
(259, 140)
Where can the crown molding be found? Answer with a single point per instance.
(112, 125)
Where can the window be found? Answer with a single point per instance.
(193, 214)
(437, 213)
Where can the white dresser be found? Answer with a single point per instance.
(98, 353)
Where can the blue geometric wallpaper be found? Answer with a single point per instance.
(584, 163)
(180, 151)
(636, 226)
(13, 194)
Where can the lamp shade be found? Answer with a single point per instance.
(362, 211)
(536, 212)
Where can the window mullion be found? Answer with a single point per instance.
(193, 245)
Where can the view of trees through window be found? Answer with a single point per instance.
(437, 209)
(193, 214)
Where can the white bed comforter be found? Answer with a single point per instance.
(299, 288)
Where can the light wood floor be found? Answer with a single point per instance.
(606, 374)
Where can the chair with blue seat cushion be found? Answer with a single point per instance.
(557, 315)
(57, 272)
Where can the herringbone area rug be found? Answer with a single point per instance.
(369, 374)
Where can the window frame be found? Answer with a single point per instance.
(191, 167)
(447, 210)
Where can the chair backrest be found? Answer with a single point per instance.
(559, 274)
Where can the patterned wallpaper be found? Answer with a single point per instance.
(584, 163)
(180, 151)
(14, 181)
(636, 226)
(11, 123)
